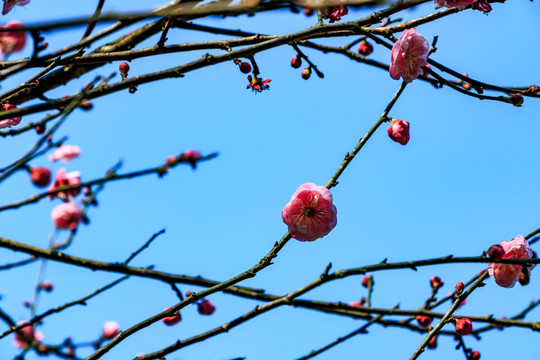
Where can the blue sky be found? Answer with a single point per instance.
(467, 179)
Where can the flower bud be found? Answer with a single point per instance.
(432, 344)
(306, 73)
(110, 329)
(245, 67)
(173, 319)
(365, 48)
(124, 69)
(47, 286)
(308, 11)
(424, 321)
(459, 288)
(205, 307)
(399, 131)
(516, 99)
(464, 326)
(366, 280)
(495, 252)
(296, 62)
(475, 355)
(40, 176)
(436, 282)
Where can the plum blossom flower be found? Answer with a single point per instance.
(110, 329)
(482, 5)
(27, 335)
(12, 41)
(10, 4)
(205, 307)
(65, 179)
(67, 216)
(173, 319)
(399, 131)
(335, 13)
(459, 4)
(258, 84)
(310, 214)
(506, 275)
(65, 153)
(408, 56)
(7, 123)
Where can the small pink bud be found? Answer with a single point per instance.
(124, 69)
(110, 329)
(189, 292)
(47, 286)
(205, 307)
(40, 176)
(296, 62)
(436, 282)
(245, 67)
(399, 131)
(424, 321)
(459, 288)
(465, 85)
(43, 349)
(362, 302)
(475, 355)
(495, 252)
(191, 157)
(516, 99)
(464, 326)
(173, 319)
(170, 159)
(365, 48)
(306, 73)
(366, 280)
(432, 344)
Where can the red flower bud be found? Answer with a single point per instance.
(424, 321)
(245, 67)
(306, 73)
(516, 99)
(436, 282)
(40, 176)
(47, 286)
(124, 68)
(432, 344)
(365, 48)
(173, 319)
(459, 288)
(296, 62)
(308, 11)
(399, 131)
(464, 326)
(475, 355)
(366, 280)
(495, 252)
(205, 307)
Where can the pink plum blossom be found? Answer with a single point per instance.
(10, 4)
(65, 179)
(310, 214)
(205, 307)
(506, 275)
(459, 4)
(110, 329)
(65, 153)
(409, 54)
(399, 131)
(12, 41)
(67, 216)
(7, 123)
(25, 336)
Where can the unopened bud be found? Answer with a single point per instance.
(459, 288)
(436, 282)
(245, 67)
(365, 48)
(306, 73)
(296, 62)
(464, 326)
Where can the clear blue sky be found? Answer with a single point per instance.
(467, 179)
